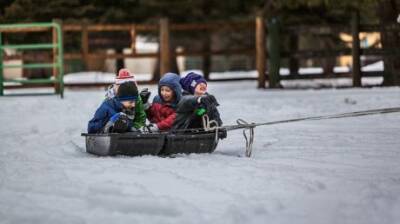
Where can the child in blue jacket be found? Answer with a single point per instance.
(122, 113)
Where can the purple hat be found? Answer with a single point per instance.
(190, 81)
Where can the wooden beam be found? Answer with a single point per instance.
(165, 54)
(355, 29)
(133, 39)
(85, 45)
(260, 50)
(55, 70)
(24, 30)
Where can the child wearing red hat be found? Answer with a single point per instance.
(124, 75)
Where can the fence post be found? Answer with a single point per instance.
(55, 38)
(207, 57)
(260, 50)
(355, 29)
(133, 40)
(273, 46)
(85, 45)
(1, 67)
(293, 61)
(165, 55)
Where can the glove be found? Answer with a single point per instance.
(150, 128)
(200, 111)
(110, 123)
(208, 100)
(118, 123)
(145, 95)
(130, 113)
(115, 117)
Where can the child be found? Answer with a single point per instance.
(120, 114)
(161, 113)
(124, 75)
(196, 103)
(193, 84)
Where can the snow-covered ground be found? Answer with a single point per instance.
(329, 171)
(104, 77)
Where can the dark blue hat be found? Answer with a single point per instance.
(190, 81)
(127, 91)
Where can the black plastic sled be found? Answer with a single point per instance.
(138, 144)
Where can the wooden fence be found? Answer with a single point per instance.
(265, 35)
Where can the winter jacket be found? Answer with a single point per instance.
(163, 113)
(110, 107)
(186, 117)
(111, 92)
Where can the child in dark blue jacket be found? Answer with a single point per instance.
(122, 113)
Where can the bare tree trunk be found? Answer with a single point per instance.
(328, 63)
(293, 61)
(390, 40)
(207, 57)
(156, 70)
(206, 8)
(120, 61)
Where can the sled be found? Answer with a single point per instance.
(138, 144)
(129, 144)
(201, 142)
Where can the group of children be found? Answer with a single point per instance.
(181, 103)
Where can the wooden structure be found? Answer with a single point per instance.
(259, 52)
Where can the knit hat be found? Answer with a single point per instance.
(190, 81)
(124, 75)
(127, 91)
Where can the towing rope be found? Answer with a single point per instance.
(324, 117)
(242, 124)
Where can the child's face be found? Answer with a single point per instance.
(129, 104)
(200, 89)
(167, 94)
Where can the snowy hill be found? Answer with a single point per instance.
(331, 171)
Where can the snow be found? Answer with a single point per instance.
(329, 171)
(106, 77)
(377, 66)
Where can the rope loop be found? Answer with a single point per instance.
(249, 139)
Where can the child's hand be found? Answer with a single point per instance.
(115, 117)
(208, 101)
(150, 128)
(118, 123)
(145, 95)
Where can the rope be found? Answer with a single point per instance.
(325, 117)
(207, 127)
(250, 139)
(242, 124)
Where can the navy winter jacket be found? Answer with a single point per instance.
(186, 117)
(108, 108)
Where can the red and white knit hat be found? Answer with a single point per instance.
(124, 75)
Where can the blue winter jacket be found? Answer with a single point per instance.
(107, 109)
